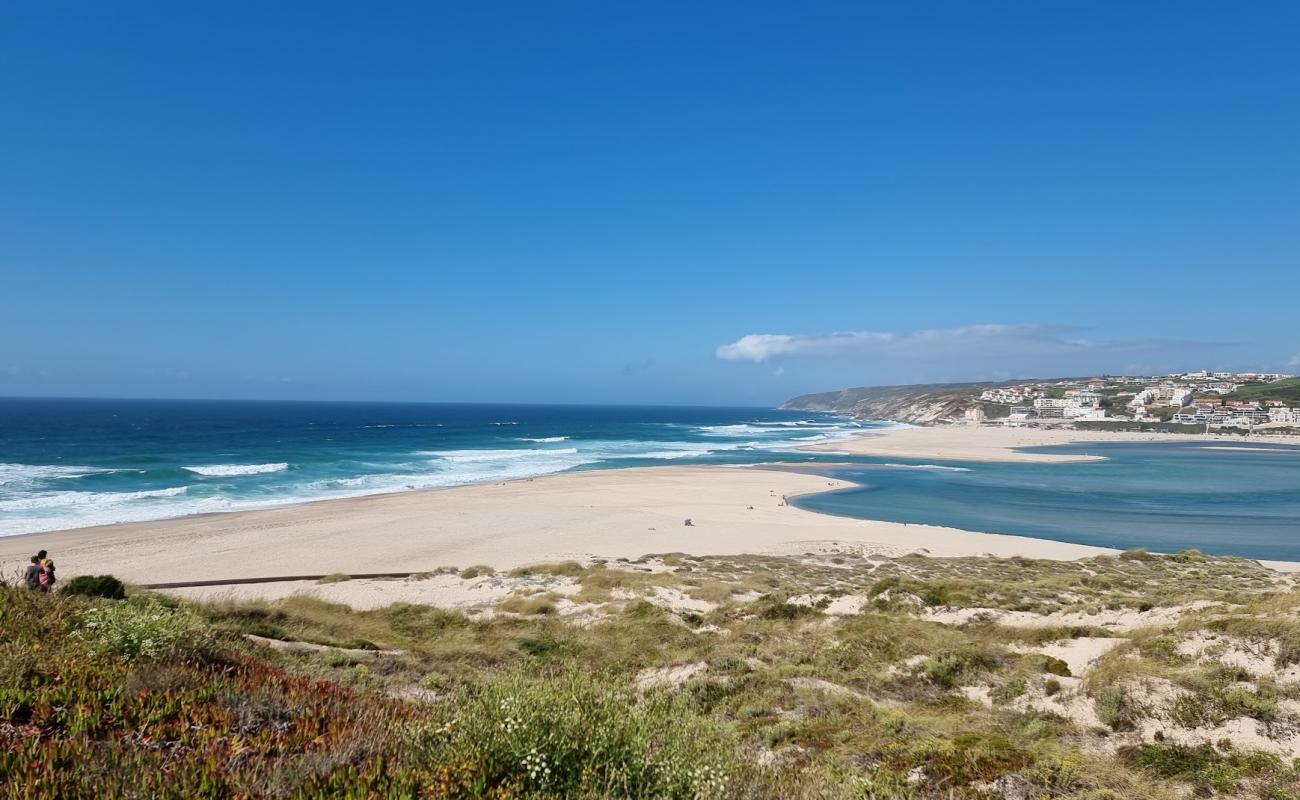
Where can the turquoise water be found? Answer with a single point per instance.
(1225, 498)
(74, 463)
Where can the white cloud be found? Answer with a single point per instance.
(759, 347)
(970, 340)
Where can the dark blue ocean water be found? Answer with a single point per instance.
(73, 463)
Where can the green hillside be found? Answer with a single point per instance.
(1287, 389)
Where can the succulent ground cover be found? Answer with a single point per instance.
(826, 675)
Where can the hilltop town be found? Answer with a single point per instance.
(1181, 402)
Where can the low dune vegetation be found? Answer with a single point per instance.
(827, 675)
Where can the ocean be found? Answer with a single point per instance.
(76, 463)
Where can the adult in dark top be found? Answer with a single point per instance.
(32, 575)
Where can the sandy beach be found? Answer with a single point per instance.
(988, 443)
(607, 514)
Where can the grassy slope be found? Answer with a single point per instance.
(760, 693)
(1287, 389)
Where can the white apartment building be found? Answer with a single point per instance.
(1002, 396)
(1143, 398)
(1050, 407)
(1249, 416)
(1285, 416)
(1173, 395)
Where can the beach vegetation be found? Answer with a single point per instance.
(528, 605)
(105, 586)
(1038, 679)
(563, 568)
(141, 627)
(1137, 554)
(1117, 709)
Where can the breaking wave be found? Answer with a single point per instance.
(62, 499)
(232, 470)
(15, 475)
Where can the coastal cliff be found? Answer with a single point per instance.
(918, 404)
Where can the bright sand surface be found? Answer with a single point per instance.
(607, 513)
(611, 514)
(992, 443)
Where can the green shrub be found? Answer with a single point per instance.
(95, 586)
(1137, 554)
(143, 627)
(1042, 662)
(1009, 691)
(1118, 710)
(547, 645)
(771, 606)
(1242, 702)
(1193, 711)
(1202, 766)
(951, 669)
(574, 735)
(1163, 649)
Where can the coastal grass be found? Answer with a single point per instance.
(673, 677)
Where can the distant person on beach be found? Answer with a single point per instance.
(46, 577)
(32, 575)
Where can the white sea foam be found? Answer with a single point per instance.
(410, 425)
(931, 467)
(39, 500)
(233, 470)
(496, 455)
(773, 429)
(13, 475)
(744, 429)
(798, 424)
(544, 439)
(105, 511)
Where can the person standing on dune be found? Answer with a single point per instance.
(32, 575)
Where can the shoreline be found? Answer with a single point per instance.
(987, 443)
(625, 513)
(584, 515)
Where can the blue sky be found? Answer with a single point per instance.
(656, 202)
